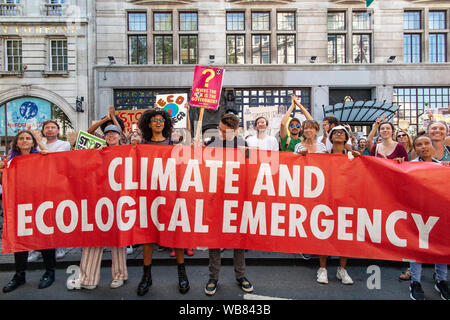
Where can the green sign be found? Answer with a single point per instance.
(369, 2)
(88, 141)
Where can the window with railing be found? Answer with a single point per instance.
(9, 7)
(54, 8)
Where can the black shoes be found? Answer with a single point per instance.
(146, 281)
(245, 285)
(442, 287)
(211, 287)
(17, 280)
(183, 282)
(416, 291)
(47, 279)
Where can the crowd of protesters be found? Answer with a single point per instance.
(156, 127)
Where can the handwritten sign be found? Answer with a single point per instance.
(88, 141)
(174, 105)
(206, 87)
(130, 118)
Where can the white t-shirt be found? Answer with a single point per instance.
(267, 143)
(58, 146)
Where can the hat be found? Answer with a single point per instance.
(347, 135)
(112, 127)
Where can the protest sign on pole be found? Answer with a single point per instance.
(130, 118)
(88, 141)
(174, 105)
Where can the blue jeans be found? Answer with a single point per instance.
(416, 271)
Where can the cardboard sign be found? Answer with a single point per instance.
(206, 87)
(88, 141)
(130, 118)
(174, 104)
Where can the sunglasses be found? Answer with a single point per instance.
(295, 125)
(157, 120)
(401, 135)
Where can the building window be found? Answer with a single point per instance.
(137, 49)
(261, 21)
(58, 57)
(361, 48)
(285, 21)
(437, 20)
(54, 7)
(261, 49)
(250, 98)
(125, 99)
(412, 20)
(437, 47)
(361, 21)
(286, 49)
(9, 7)
(235, 21)
(336, 21)
(163, 49)
(412, 48)
(137, 21)
(336, 48)
(188, 49)
(14, 55)
(414, 102)
(236, 49)
(188, 21)
(162, 21)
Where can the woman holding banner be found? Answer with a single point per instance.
(25, 143)
(91, 257)
(338, 136)
(156, 127)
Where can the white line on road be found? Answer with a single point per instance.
(249, 296)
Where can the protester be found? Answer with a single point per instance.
(363, 147)
(91, 257)
(50, 131)
(388, 149)
(405, 139)
(424, 148)
(228, 138)
(310, 129)
(25, 143)
(156, 127)
(109, 119)
(338, 136)
(289, 141)
(262, 140)
(438, 132)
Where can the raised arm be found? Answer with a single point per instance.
(372, 133)
(296, 100)
(284, 120)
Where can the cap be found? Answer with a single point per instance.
(112, 127)
(347, 135)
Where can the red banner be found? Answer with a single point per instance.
(206, 87)
(183, 197)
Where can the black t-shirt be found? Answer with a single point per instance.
(163, 142)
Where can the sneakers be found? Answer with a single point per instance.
(305, 256)
(60, 253)
(72, 284)
(245, 285)
(17, 280)
(415, 291)
(343, 276)
(442, 287)
(130, 249)
(189, 252)
(34, 256)
(322, 276)
(47, 279)
(211, 287)
(116, 284)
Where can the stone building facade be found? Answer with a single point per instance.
(44, 64)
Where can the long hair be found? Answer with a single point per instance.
(145, 119)
(410, 140)
(15, 151)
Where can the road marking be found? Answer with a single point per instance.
(250, 296)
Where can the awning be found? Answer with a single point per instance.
(361, 111)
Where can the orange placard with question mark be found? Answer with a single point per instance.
(206, 87)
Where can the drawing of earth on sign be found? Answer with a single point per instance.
(172, 109)
(28, 110)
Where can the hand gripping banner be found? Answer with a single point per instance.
(185, 197)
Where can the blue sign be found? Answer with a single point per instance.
(22, 113)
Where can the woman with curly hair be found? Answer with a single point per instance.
(156, 127)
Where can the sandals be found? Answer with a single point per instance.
(405, 276)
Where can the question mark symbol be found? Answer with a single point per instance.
(211, 75)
